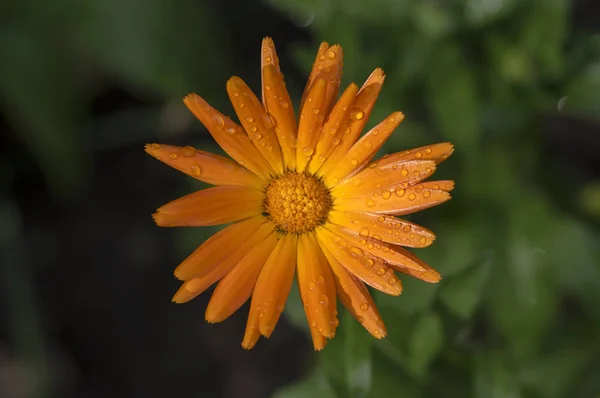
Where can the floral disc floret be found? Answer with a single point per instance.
(297, 202)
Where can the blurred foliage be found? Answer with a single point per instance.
(516, 314)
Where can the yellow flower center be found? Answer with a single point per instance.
(297, 203)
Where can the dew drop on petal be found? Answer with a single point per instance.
(364, 306)
(218, 120)
(173, 155)
(356, 114)
(371, 203)
(331, 55)
(196, 170)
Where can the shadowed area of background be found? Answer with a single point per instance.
(86, 277)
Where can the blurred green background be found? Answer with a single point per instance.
(86, 277)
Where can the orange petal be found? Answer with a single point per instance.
(382, 181)
(389, 229)
(356, 298)
(279, 105)
(327, 66)
(275, 282)
(364, 149)
(311, 122)
(273, 285)
(375, 247)
(366, 267)
(196, 286)
(204, 166)
(216, 248)
(236, 287)
(332, 130)
(251, 334)
(268, 55)
(443, 185)
(211, 206)
(317, 287)
(230, 136)
(428, 275)
(361, 110)
(403, 201)
(256, 122)
(436, 152)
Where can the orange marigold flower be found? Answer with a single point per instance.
(303, 198)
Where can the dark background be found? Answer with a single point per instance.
(86, 277)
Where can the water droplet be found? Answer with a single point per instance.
(356, 182)
(230, 130)
(283, 104)
(312, 286)
(253, 128)
(364, 306)
(423, 240)
(335, 142)
(173, 155)
(354, 161)
(428, 151)
(155, 146)
(356, 252)
(400, 192)
(417, 173)
(381, 219)
(371, 203)
(361, 319)
(188, 151)
(267, 87)
(236, 94)
(308, 151)
(392, 281)
(218, 120)
(196, 170)
(404, 172)
(249, 119)
(418, 155)
(315, 110)
(406, 228)
(321, 57)
(426, 194)
(356, 114)
(241, 104)
(364, 231)
(324, 300)
(377, 238)
(386, 194)
(330, 55)
(369, 263)
(380, 271)
(257, 136)
(412, 196)
(268, 59)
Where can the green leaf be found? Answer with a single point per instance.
(357, 356)
(523, 297)
(426, 342)
(453, 97)
(389, 380)
(462, 294)
(553, 373)
(37, 90)
(494, 376)
(315, 385)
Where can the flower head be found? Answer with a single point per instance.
(303, 198)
